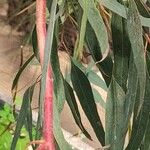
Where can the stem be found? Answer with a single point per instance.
(48, 99)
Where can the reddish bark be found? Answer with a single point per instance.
(48, 100)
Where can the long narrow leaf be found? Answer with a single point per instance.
(121, 48)
(79, 50)
(115, 104)
(22, 115)
(143, 9)
(141, 123)
(135, 36)
(84, 92)
(98, 99)
(15, 81)
(146, 142)
(63, 145)
(115, 135)
(98, 26)
(131, 94)
(58, 81)
(74, 108)
(119, 9)
(105, 66)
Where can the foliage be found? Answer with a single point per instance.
(7, 126)
(116, 36)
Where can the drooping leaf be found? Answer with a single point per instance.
(96, 80)
(34, 44)
(63, 145)
(114, 127)
(121, 49)
(105, 66)
(98, 26)
(143, 9)
(79, 50)
(29, 120)
(70, 97)
(132, 89)
(15, 81)
(135, 35)
(83, 90)
(49, 4)
(22, 115)
(141, 122)
(98, 99)
(146, 143)
(57, 76)
(115, 104)
(121, 10)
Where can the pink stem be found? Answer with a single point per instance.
(48, 100)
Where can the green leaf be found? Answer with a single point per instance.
(132, 89)
(105, 66)
(146, 142)
(98, 98)
(15, 81)
(35, 44)
(141, 122)
(83, 90)
(114, 124)
(74, 108)
(96, 80)
(121, 49)
(121, 10)
(115, 103)
(57, 76)
(143, 9)
(22, 115)
(29, 120)
(135, 35)
(98, 26)
(63, 145)
(79, 50)
(49, 4)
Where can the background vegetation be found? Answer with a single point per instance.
(115, 36)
